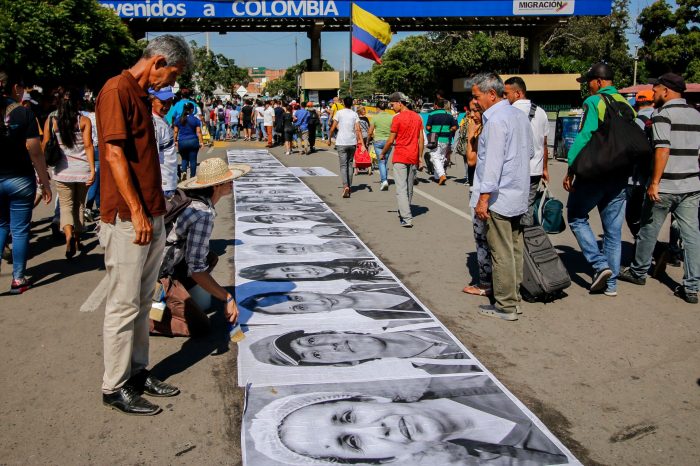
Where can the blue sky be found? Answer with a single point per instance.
(277, 50)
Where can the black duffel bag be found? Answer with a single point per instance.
(615, 147)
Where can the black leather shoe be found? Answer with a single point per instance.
(128, 401)
(155, 387)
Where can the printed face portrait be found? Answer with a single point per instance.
(295, 249)
(337, 269)
(286, 218)
(282, 208)
(379, 430)
(296, 302)
(296, 272)
(335, 348)
(278, 231)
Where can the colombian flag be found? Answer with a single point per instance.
(370, 35)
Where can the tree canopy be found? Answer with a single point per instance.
(211, 71)
(68, 42)
(671, 38)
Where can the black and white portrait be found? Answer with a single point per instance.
(320, 231)
(306, 198)
(366, 269)
(327, 218)
(376, 301)
(334, 247)
(445, 421)
(262, 208)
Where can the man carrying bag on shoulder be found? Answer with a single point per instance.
(600, 161)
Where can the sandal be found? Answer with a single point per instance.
(478, 290)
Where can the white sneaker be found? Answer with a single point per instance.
(384, 186)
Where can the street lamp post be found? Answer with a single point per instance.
(636, 60)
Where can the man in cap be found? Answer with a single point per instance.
(608, 194)
(167, 153)
(407, 138)
(674, 185)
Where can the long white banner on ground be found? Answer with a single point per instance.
(342, 363)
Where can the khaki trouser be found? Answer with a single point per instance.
(71, 201)
(132, 271)
(505, 238)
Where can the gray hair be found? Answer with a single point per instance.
(487, 81)
(173, 48)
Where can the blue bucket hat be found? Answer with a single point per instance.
(165, 93)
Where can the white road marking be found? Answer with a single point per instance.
(454, 210)
(96, 297)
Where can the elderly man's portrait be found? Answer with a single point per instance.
(335, 247)
(299, 198)
(445, 421)
(320, 231)
(263, 208)
(327, 218)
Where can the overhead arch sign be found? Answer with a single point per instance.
(341, 8)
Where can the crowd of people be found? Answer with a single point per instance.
(137, 126)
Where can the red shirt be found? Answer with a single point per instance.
(408, 126)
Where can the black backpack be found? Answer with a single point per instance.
(615, 147)
(313, 118)
(221, 114)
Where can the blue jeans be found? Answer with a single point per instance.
(260, 127)
(220, 131)
(93, 195)
(378, 147)
(684, 210)
(188, 151)
(16, 204)
(324, 127)
(609, 197)
(234, 130)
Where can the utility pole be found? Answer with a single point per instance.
(208, 51)
(636, 60)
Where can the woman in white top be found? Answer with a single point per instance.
(75, 172)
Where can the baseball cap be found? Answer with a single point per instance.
(670, 80)
(164, 93)
(28, 98)
(398, 97)
(644, 96)
(309, 104)
(597, 71)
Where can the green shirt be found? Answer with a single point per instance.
(382, 126)
(593, 112)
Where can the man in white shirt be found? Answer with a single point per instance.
(269, 121)
(347, 123)
(515, 93)
(260, 120)
(160, 102)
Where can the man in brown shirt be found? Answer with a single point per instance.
(131, 229)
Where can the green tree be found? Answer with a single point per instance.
(671, 38)
(211, 71)
(68, 42)
(363, 85)
(420, 65)
(584, 40)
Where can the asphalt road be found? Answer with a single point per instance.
(615, 378)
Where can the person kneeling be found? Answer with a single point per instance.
(187, 260)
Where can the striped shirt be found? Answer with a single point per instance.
(676, 126)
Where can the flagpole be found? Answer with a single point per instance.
(350, 86)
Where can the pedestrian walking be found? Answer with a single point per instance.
(314, 122)
(22, 155)
(131, 224)
(605, 193)
(260, 120)
(92, 203)
(379, 132)
(246, 120)
(75, 171)
(349, 137)
(516, 93)
(234, 117)
(220, 123)
(500, 192)
(301, 123)
(406, 135)
(279, 123)
(188, 140)
(269, 121)
(441, 125)
(674, 186)
(325, 118)
(288, 129)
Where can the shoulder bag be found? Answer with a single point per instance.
(52, 152)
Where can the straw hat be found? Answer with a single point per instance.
(212, 172)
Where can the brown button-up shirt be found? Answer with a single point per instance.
(124, 115)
